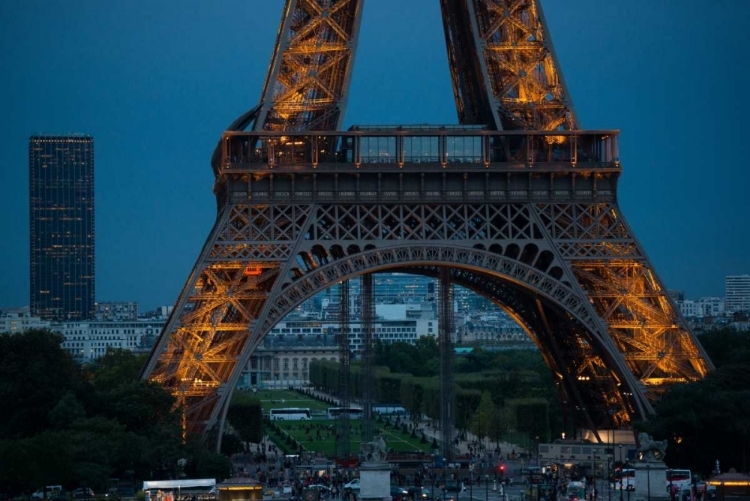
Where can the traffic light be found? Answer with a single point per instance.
(501, 469)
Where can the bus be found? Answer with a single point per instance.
(575, 491)
(290, 414)
(335, 412)
(679, 479)
(203, 489)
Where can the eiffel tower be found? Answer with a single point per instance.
(516, 203)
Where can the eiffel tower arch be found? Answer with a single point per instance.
(516, 203)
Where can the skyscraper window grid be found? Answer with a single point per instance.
(61, 226)
(737, 293)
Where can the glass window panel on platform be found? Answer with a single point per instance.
(551, 148)
(381, 150)
(293, 150)
(421, 150)
(464, 149)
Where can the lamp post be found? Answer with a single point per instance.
(620, 449)
(471, 482)
(433, 481)
(486, 487)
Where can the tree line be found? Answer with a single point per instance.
(502, 392)
(496, 393)
(64, 423)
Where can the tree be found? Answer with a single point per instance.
(245, 415)
(67, 411)
(36, 373)
(706, 420)
(115, 368)
(484, 416)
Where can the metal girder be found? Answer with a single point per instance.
(503, 66)
(308, 81)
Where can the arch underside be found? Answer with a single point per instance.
(558, 268)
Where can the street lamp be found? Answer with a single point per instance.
(471, 482)
(620, 448)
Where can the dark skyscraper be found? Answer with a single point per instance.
(61, 203)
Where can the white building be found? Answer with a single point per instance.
(690, 308)
(88, 340)
(19, 319)
(388, 331)
(703, 307)
(712, 306)
(737, 293)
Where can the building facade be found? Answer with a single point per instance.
(90, 340)
(737, 293)
(116, 310)
(61, 206)
(17, 320)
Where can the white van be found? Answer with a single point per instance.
(52, 491)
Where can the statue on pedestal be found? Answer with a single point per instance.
(374, 451)
(650, 450)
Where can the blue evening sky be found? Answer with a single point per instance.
(157, 81)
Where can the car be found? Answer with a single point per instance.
(453, 486)
(52, 491)
(399, 493)
(353, 485)
(315, 492)
(324, 490)
(83, 493)
(418, 493)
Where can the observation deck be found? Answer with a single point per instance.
(417, 163)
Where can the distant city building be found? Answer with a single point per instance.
(737, 293)
(16, 320)
(281, 361)
(494, 334)
(388, 331)
(61, 203)
(712, 306)
(89, 340)
(116, 310)
(703, 307)
(159, 312)
(676, 295)
(690, 308)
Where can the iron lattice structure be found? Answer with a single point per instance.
(517, 204)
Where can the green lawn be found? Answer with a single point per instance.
(321, 436)
(277, 399)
